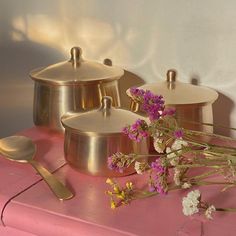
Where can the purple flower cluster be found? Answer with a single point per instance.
(169, 111)
(112, 165)
(137, 93)
(157, 167)
(179, 133)
(137, 131)
(158, 177)
(152, 104)
(118, 162)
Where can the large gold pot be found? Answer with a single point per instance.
(91, 137)
(193, 103)
(74, 85)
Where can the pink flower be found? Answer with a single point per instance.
(158, 177)
(137, 131)
(179, 133)
(152, 104)
(169, 111)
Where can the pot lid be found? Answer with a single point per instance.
(76, 70)
(104, 121)
(178, 93)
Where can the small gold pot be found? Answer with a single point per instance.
(193, 103)
(91, 137)
(74, 85)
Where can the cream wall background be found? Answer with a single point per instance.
(146, 37)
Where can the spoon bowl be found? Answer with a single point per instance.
(22, 149)
(17, 148)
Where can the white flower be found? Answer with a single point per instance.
(178, 144)
(174, 159)
(170, 153)
(186, 185)
(191, 202)
(177, 174)
(138, 167)
(158, 145)
(209, 211)
(157, 134)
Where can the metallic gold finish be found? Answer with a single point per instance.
(193, 103)
(76, 85)
(91, 137)
(22, 149)
(170, 79)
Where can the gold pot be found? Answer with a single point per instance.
(193, 103)
(91, 137)
(74, 85)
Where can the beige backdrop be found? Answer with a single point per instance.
(145, 37)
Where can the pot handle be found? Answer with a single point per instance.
(107, 62)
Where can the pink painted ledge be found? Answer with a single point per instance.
(17, 177)
(36, 211)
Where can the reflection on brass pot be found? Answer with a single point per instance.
(74, 85)
(192, 103)
(91, 137)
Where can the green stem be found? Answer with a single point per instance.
(226, 209)
(195, 132)
(199, 165)
(207, 124)
(204, 175)
(212, 183)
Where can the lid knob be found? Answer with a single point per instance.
(106, 102)
(171, 76)
(106, 106)
(76, 55)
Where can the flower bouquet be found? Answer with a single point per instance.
(178, 151)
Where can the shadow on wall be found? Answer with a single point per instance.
(222, 109)
(16, 90)
(17, 58)
(127, 81)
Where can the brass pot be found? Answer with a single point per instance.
(91, 137)
(74, 85)
(193, 103)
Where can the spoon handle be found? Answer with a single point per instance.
(54, 184)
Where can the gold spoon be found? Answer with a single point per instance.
(22, 149)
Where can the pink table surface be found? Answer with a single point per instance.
(17, 177)
(36, 211)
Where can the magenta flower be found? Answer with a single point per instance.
(114, 164)
(137, 131)
(157, 167)
(152, 104)
(178, 133)
(136, 92)
(158, 177)
(119, 162)
(169, 111)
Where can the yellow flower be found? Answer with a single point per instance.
(129, 185)
(113, 204)
(109, 193)
(109, 181)
(116, 189)
(121, 195)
